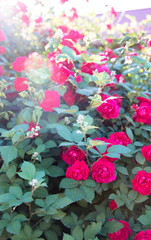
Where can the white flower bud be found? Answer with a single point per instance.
(79, 132)
(34, 182)
(80, 119)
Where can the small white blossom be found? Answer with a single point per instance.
(67, 121)
(34, 182)
(58, 35)
(80, 119)
(85, 124)
(37, 128)
(79, 132)
(35, 154)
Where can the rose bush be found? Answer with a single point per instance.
(75, 134)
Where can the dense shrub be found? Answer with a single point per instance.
(75, 127)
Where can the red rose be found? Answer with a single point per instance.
(2, 72)
(142, 183)
(121, 234)
(120, 138)
(78, 171)
(19, 64)
(59, 73)
(103, 171)
(146, 152)
(72, 154)
(52, 100)
(113, 205)
(120, 78)
(69, 98)
(109, 109)
(143, 113)
(78, 79)
(2, 50)
(2, 36)
(143, 235)
(21, 84)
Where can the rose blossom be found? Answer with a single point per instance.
(21, 84)
(78, 171)
(103, 171)
(121, 234)
(19, 64)
(120, 138)
(51, 100)
(33, 61)
(143, 113)
(142, 183)
(59, 73)
(109, 109)
(143, 235)
(2, 50)
(69, 98)
(72, 154)
(113, 205)
(146, 152)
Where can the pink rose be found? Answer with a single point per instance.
(78, 171)
(103, 171)
(33, 61)
(2, 50)
(143, 235)
(120, 138)
(59, 73)
(146, 152)
(113, 205)
(51, 100)
(21, 84)
(19, 64)
(109, 109)
(121, 234)
(72, 154)
(142, 183)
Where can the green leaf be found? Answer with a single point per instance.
(89, 183)
(144, 219)
(50, 144)
(55, 171)
(77, 137)
(77, 233)
(92, 230)
(112, 226)
(3, 223)
(129, 133)
(16, 191)
(67, 237)
(122, 170)
(132, 195)
(8, 153)
(75, 194)
(11, 171)
(68, 183)
(88, 193)
(139, 158)
(28, 171)
(41, 148)
(119, 149)
(14, 227)
(141, 198)
(27, 197)
(136, 169)
(62, 202)
(51, 199)
(64, 132)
